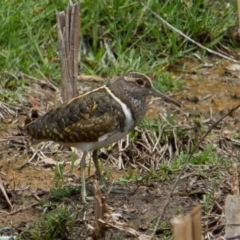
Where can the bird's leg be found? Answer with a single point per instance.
(82, 171)
(100, 178)
(96, 163)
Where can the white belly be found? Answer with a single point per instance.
(89, 146)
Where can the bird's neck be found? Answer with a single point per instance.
(134, 101)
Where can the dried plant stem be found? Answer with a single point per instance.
(238, 4)
(2, 188)
(68, 39)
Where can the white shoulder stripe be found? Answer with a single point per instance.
(129, 122)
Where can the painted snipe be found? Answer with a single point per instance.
(97, 118)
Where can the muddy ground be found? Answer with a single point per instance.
(211, 89)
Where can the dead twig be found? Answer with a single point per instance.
(238, 4)
(23, 208)
(90, 78)
(4, 193)
(124, 228)
(49, 82)
(8, 109)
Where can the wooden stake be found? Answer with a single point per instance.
(188, 227)
(182, 228)
(232, 208)
(69, 40)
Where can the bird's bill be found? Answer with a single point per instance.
(157, 93)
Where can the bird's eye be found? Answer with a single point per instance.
(140, 82)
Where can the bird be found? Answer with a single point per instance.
(97, 118)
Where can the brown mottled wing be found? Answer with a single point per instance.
(85, 118)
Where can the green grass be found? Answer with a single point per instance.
(140, 41)
(58, 194)
(59, 175)
(28, 34)
(167, 82)
(55, 225)
(205, 159)
(236, 134)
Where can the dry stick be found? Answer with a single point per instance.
(24, 208)
(235, 180)
(76, 43)
(90, 78)
(51, 83)
(4, 192)
(188, 38)
(68, 38)
(186, 163)
(61, 19)
(238, 4)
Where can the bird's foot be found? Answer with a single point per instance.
(103, 185)
(86, 199)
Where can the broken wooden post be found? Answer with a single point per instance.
(188, 227)
(232, 208)
(68, 39)
(100, 209)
